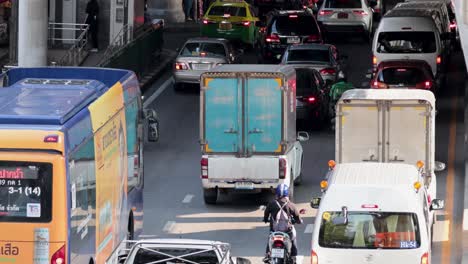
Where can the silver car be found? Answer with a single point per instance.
(199, 55)
(322, 57)
(347, 16)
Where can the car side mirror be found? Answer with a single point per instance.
(439, 166)
(437, 204)
(152, 120)
(341, 75)
(242, 261)
(302, 136)
(315, 203)
(121, 259)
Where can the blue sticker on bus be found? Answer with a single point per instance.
(408, 244)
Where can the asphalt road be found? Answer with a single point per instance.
(173, 195)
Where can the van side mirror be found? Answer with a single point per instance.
(315, 203)
(302, 136)
(437, 204)
(439, 166)
(152, 120)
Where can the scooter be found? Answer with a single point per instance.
(280, 248)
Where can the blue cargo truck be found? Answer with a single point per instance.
(248, 129)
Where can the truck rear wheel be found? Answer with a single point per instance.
(210, 196)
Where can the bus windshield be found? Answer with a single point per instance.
(370, 230)
(25, 191)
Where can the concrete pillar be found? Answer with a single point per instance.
(32, 33)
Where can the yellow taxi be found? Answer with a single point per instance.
(231, 19)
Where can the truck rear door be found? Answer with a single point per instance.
(359, 131)
(263, 115)
(412, 143)
(221, 121)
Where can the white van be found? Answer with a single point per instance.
(374, 213)
(412, 35)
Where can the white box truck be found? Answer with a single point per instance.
(390, 125)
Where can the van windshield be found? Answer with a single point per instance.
(370, 230)
(407, 42)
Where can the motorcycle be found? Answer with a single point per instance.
(279, 246)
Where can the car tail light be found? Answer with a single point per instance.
(180, 66)
(272, 38)
(425, 258)
(427, 84)
(327, 71)
(313, 257)
(379, 85)
(360, 12)
(51, 139)
(439, 59)
(246, 23)
(325, 12)
(282, 168)
(59, 256)
(312, 38)
(292, 16)
(204, 168)
(453, 25)
(311, 99)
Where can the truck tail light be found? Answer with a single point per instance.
(425, 258)
(439, 59)
(273, 38)
(313, 257)
(204, 168)
(282, 168)
(59, 256)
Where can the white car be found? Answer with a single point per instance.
(347, 16)
(166, 251)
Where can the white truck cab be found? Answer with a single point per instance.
(373, 213)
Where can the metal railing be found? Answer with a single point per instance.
(73, 35)
(120, 41)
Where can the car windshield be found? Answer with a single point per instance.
(225, 10)
(402, 75)
(308, 55)
(306, 84)
(343, 4)
(166, 256)
(407, 42)
(198, 49)
(370, 230)
(300, 25)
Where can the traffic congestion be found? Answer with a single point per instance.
(293, 131)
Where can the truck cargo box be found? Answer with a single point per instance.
(248, 109)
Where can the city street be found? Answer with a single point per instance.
(173, 200)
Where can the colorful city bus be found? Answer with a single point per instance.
(71, 174)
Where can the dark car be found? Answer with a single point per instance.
(312, 98)
(266, 6)
(284, 28)
(412, 74)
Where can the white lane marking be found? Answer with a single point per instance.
(300, 259)
(158, 92)
(465, 219)
(169, 226)
(147, 236)
(188, 198)
(441, 231)
(309, 228)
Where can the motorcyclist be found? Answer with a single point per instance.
(337, 89)
(271, 211)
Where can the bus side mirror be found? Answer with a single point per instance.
(437, 204)
(151, 118)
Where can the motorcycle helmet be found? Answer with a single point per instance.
(282, 190)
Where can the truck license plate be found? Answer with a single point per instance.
(277, 253)
(244, 185)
